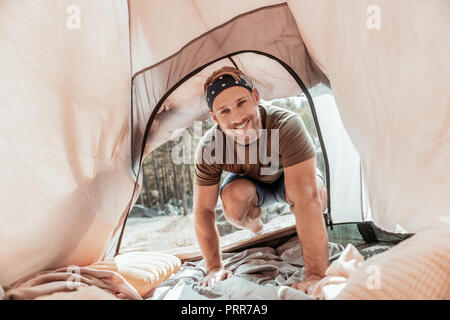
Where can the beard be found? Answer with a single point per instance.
(249, 133)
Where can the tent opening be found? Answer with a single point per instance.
(165, 203)
(165, 200)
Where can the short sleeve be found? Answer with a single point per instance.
(206, 174)
(295, 142)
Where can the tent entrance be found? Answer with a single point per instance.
(164, 107)
(167, 93)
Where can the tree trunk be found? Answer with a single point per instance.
(191, 189)
(145, 185)
(157, 180)
(183, 182)
(166, 183)
(172, 182)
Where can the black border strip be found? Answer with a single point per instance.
(329, 221)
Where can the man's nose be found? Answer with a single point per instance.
(237, 117)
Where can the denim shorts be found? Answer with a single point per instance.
(268, 193)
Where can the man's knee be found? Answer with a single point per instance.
(238, 197)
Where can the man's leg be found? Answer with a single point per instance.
(240, 202)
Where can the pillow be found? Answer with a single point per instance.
(143, 270)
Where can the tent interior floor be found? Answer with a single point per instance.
(341, 234)
(261, 270)
(367, 250)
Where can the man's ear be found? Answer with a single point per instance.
(255, 95)
(213, 116)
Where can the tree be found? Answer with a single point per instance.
(177, 191)
(157, 180)
(183, 182)
(146, 187)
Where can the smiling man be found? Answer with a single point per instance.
(239, 143)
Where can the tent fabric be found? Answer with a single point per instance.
(343, 161)
(150, 46)
(244, 32)
(64, 140)
(391, 87)
(76, 102)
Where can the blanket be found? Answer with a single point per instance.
(262, 273)
(126, 276)
(416, 268)
(109, 284)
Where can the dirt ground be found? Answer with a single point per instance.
(169, 232)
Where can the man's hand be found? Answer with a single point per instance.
(308, 285)
(213, 276)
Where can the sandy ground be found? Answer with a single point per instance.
(165, 233)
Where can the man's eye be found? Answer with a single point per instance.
(240, 103)
(224, 111)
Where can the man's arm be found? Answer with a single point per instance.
(302, 191)
(205, 201)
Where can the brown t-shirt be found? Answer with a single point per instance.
(284, 142)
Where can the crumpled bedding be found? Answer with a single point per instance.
(266, 273)
(261, 273)
(126, 276)
(63, 281)
(338, 273)
(416, 268)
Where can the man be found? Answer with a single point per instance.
(242, 124)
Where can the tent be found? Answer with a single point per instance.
(89, 88)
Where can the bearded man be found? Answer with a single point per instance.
(239, 143)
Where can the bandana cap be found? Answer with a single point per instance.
(222, 83)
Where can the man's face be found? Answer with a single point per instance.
(235, 110)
